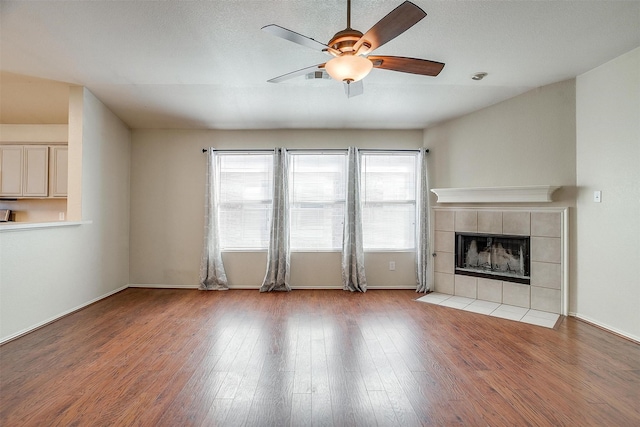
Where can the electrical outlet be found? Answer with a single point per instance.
(597, 196)
(61, 216)
(392, 266)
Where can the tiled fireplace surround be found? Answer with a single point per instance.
(546, 229)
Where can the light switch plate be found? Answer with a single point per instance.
(597, 196)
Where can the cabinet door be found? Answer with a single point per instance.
(36, 171)
(58, 176)
(11, 170)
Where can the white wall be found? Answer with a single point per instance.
(608, 159)
(167, 211)
(24, 134)
(45, 273)
(526, 140)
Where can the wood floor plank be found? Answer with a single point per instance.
(301, 409)
(167, 357)
(302, 369)
(382, 409)
(321, 412)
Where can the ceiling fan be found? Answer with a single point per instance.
(350, 49)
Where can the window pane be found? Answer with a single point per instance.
(318, 177)
(245, 177)
(388, 177)
(316, 227)
(244, 226)
(245, 200)
(388, 195)
(317, 187)
(388, 226)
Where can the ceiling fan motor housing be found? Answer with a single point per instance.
(345, 40)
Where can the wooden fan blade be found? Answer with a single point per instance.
(292, 36)
(407, 65)
(391, 26)
(319, 67)
(352, 89)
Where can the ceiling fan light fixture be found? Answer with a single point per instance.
(350, 68)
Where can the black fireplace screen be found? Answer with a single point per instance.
(497, 257)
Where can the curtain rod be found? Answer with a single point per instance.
(408, 150)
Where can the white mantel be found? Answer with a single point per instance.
(523, 194)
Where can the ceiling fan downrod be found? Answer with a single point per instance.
(343, 41)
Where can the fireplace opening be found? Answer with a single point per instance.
(498, 257)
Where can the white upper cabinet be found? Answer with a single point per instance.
(58, 171)
(11, 170)
(33, 171)
(35, 174)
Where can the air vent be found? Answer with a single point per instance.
(318, 75)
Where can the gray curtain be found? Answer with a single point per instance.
(353, 277)
(278, 258)
(423, 209)
(212, 274)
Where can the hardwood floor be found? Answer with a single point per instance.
(189, 358)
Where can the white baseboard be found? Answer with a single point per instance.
(161, 286)
(257, 287)
(58, 316)
(606, 327)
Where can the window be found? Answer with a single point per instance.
(245, 189)
(388, 196)
(317, 193)
(317, 200)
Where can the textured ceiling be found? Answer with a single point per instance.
(205, 64)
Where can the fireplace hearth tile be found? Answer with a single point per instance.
(540, 321)
(510, 312)
(456, 302)
(488, 308)
(462, 300)
(504, 312)
(513, 309)
(543, 314)
(487, 304)
(482, 307)
(434, 297)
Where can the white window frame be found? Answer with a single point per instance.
(292, 202)
(267, 201)
(412, 202)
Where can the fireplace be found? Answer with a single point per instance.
(498, 257)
